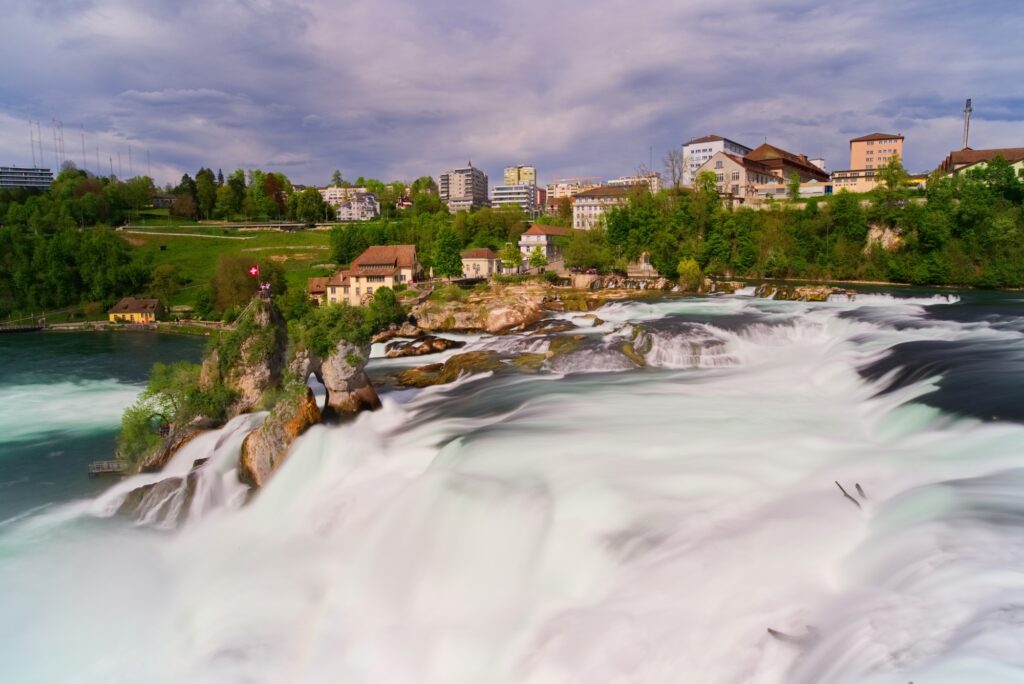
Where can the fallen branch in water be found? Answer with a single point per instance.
(806, 639)
(855, 502)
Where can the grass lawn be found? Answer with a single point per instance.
(195, 257)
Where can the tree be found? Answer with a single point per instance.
(793, 187)
(232, 284)
(588, 249)
(893, 175)
(206, 193)
(336, 179)
(674, 164)
(511, 257)
(537, 258)
(690, 275)
(164, 283)
(309, 206)
(447, 259)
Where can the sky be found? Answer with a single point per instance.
(395, 89)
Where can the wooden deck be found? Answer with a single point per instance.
(97, 468)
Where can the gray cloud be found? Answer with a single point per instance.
(398, 89)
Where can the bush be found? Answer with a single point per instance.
(690, 275)
(137, 437)
(448, 293)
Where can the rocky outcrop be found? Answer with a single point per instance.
(496, 311)
(617, 282)
(428, 344)
(443, 373)
(343, 374)
(260, 360)
(800, 293)
(166, 502)
(407, 330)
(265, 449)
(726, 286)
(159, 457)
(886, 237)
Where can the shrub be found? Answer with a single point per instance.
(448, 293)
(690, 275)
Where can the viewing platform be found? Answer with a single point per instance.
(98, 468)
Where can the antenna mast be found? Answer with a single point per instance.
(131, 169)
(32, 141)
(82, 129)
(967, 121)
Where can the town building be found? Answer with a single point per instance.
(966, 159)
(541, 198)
(589, 206)
(133, 310)
(378, 266)
(335, 195)
(463, 189)
(652, 180)
(873, 151)
(359, 207)
(18, 177)
(545, 237)
(698, 151)
(780, 191)
(784, 164)
(854, 180)
(570, 187)
(523, 195)
(737, 176)
(480, 262)
(520, 175)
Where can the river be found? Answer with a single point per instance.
(592, 522)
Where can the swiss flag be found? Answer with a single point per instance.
(254, 271)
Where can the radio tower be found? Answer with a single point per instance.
(967, 121)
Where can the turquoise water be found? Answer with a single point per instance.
(61, 398)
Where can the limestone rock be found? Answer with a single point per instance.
(443, 373)
(265, 449)
(349, 390)
(428, 344)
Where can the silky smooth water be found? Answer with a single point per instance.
(61, 399)
(594, 522)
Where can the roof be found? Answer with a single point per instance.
(748, 164)
(384, 259)
(776, 157)
(539, 229)
(479, 253)
(877, 136)
(317, 285)
(339, 279)
(130, 305)
(607, 191)
(704, 139)
(967, 156)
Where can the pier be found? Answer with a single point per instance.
(98, 468)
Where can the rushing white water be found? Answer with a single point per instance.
(639, 526)
(84, 406)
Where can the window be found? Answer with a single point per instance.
(735, 175)
(718, 165)
(369, 290)
(735, 189)
(720, 177)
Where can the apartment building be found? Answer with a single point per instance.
(378, 266)
(463, 189)
(698, 151)
(652, 180)
(569, 187)
(360, 207)
(523, 195)
(520, 175)
(780, 191)
(962, 160)
(874, 150)
(335, 195)
(19, 177)
(544, 237)
(590, 206)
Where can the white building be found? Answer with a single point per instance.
(589, 206)
(361, 207)
(544, 237)
(335, 195)
(652, 180)
(569, 187)
(697, 151)
(525, 195)
(463, 189)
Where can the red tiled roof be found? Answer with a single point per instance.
(480, 253)
(748, 164)
(317, 285)
(608, 191)
(776, 157)
(384, 259)
(967, 156)
(538, 229)
(131, 305)
(339, 279)
(877, 136)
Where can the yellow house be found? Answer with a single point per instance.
(132, 310)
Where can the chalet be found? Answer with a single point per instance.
(132, 310)
(378, 266)
(317, 289)
(544, 237)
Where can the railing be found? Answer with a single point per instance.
(107, 468)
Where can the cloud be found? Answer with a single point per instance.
(399, 89)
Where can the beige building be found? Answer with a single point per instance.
(520, 175)
(544, 237)
(335, 195)
(652, 180)
(463, 189)
(738, 177)
(874, 150)
(962, 160)
(570, 187)
(855, 180)
(480, 262)
(379, 266)
(589, 206)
